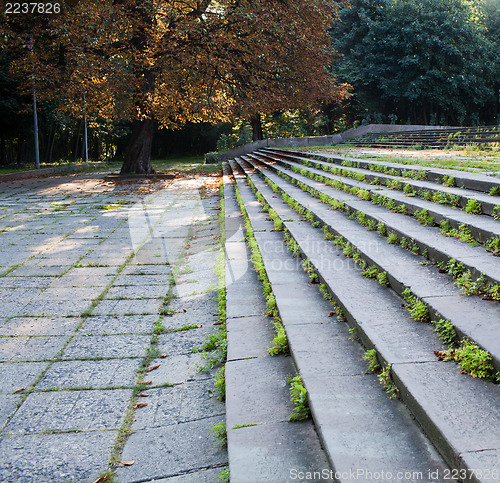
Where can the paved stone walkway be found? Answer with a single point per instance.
(87, 268)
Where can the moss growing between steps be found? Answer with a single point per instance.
(280, 342)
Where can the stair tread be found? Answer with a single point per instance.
(344, 400)
(255, 383)
(430, 236)
(381, 319)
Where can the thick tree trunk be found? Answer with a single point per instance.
(138, 157)
(256, 123)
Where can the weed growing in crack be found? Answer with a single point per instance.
(473, 360)
(383, 279)
(474, 206)
(225, 476)
(298, 396)
(370, 356)
(220, 434)
(385, 378)
(418, 310)
(280, 342)
(446, 331)
(220, 383)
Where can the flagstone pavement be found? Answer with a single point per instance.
(87, 268)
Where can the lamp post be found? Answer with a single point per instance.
(85, 130)
(35, 115)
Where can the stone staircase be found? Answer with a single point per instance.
(485, 137)
(370, 292)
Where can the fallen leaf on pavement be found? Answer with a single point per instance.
(143, 394)
(127, 463)
(102, 479)
(331, 314)
(19, 390)
(163, 356)
(149, 369)
(140, 405)
(147, 382)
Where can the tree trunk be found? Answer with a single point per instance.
(256, 123)
(138, 157)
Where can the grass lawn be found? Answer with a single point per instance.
(177, 165)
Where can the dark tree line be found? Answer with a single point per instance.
(420, 61)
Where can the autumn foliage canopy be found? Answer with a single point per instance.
(174, 61)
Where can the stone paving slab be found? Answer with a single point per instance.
(73, 280)
(142, 279)
(167, 451)
(24, 282)
(247, 300)
(163, 270)
(110, 346)
(95, 374)
(70, 410)
(10, 309)
(18, 375)
(128, 307)
(90, 272)
(30, 348)
(18, 294)
(55, 457)
(177, 343)
(41, 307)
(8, 405)
(178, 369)
(114, 324)
(33, 270)
(68, 293)
(185, 402)
(136, 292)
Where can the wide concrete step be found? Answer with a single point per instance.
(263, 446)
(472, 181)
(466, 186)
(424, 239)
(473, 318)
(362, 430)
(482, 227)
(487, 137)
(458, 413)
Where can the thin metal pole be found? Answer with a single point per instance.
(85, 131)
(35, 115)
(35, 123)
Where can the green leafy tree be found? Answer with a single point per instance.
(425, 61)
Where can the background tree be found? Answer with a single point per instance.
(424, 61)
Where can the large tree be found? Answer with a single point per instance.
(170, 62)
(422, 60)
